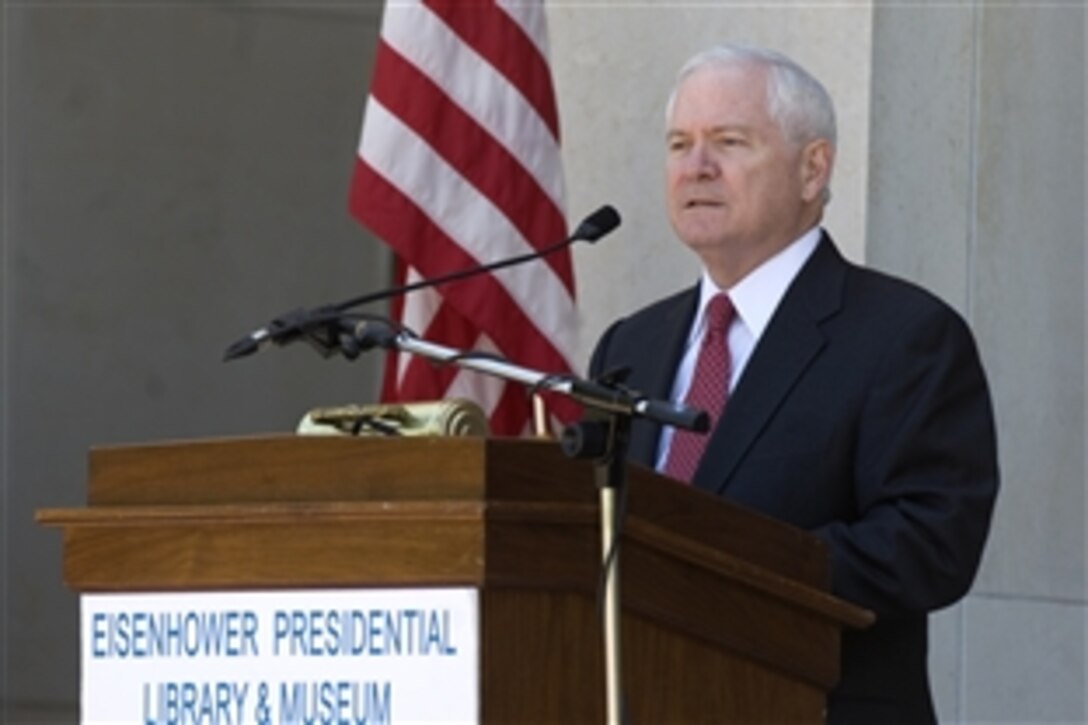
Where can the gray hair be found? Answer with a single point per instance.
(798, 103)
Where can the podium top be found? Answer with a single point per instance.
(488, 472)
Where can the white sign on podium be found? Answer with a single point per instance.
(360, 656)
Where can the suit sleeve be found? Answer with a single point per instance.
(925, 474)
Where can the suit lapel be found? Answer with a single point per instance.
(655, 378)
(788, 346)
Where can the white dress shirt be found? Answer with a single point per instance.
(755, 298)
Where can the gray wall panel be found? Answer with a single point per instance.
(978, 181)
(178, 175)
(1029, 287)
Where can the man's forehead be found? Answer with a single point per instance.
(734, 95)
(712, 109)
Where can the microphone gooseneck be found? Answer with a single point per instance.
(592, 228)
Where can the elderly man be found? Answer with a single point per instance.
(843, 401)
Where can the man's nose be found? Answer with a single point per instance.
(701, 163)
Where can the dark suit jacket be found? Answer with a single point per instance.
(863, 416)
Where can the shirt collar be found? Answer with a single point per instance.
(756, 297)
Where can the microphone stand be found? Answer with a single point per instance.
(610, 475)
(605, 442)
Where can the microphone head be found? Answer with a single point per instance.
(597, 224)
(246, 346)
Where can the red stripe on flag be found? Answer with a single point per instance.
(415, 99)
(496, 37)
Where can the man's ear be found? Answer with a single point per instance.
(817, 158)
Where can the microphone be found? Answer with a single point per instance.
(289, 327)
(297, 323)
(596, 225)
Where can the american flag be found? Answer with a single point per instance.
(459, 165)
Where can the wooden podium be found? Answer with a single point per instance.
(726, 613)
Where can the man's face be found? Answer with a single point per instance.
(735, 186)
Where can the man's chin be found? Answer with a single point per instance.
(702, 240)
(700, 223)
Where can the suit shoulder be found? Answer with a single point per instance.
(893, 317)
(680, 303)
(626, 338)
(887, 294)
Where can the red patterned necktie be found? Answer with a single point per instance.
(708, 391)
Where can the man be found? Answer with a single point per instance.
(844, 401)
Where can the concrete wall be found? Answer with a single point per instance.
(175, 173)
(978, 191)
(174, 176)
